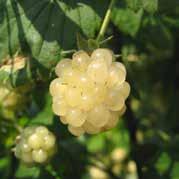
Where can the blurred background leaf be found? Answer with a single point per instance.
(145, 142)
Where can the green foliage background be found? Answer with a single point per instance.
(146, 33)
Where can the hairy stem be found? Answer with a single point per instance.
(106, 20)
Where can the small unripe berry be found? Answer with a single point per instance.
(35, 145)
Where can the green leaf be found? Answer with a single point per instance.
(169, 7)
(45, 115)
(174, 22)
(163, 162)
(4, 167)
(175, 171)
(119, 136)
(107, 141)
(150, 6)
(155, 43)
(44, 28)
(134, 4)
(127, 20)
(24, 171)
(96, 143)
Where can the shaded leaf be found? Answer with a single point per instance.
(150, 6)
(4, 167)
(163, 163)
(127, 20)
(175, 171)
(96, 143)
(45, 115)
(24, 171)
(44, 28)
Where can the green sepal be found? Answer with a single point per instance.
(82, 43)
(86, 45)
(93, 44)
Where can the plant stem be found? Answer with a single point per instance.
(105, 21)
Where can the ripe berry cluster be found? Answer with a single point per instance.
(35, 145)
(90, 91)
